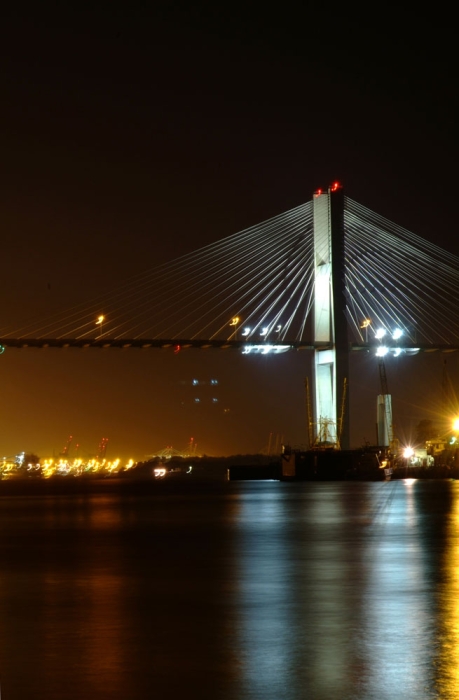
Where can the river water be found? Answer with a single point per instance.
(231, 590)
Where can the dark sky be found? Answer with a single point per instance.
(135, 132)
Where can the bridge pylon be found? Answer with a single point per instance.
(331, 363)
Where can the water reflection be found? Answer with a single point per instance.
(244, 591)
(447, 656)
(337, 586)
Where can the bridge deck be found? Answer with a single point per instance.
(180, 344)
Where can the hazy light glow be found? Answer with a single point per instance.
(265, 349)
(397, 334)
(408, 452)
(381, 351)
(246, 332)
(456, 424)
(380, 333)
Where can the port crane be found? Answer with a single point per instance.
(66, 450)
(384, 426)
(102, 448)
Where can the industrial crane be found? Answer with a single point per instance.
(66, 450)
(385, 433)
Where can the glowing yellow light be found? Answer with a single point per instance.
(408, 452)
(366, 322)
(235, 321)
(100, 320)
(456, 424)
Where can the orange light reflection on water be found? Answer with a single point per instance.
(447, 667)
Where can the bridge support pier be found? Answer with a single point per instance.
(331, 363)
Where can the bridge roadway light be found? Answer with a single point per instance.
(380, 333)
(381, 351)
(234, 323)
(365, 324)
(99, 322)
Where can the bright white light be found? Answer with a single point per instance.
(381, 351)
(159, 472)
(380, 333)
(278, 328)
(409, 482)
(264, 331)
(408, 452)
(397, 351)
(265, 349)
(397, 334)
(246, 332)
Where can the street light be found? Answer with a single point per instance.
(366, 323)
(99, 322)
(235, 323)
(455, 427)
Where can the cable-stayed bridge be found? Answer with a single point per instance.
(326, 276)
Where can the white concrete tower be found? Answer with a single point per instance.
(331, 354)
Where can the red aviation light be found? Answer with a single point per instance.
(335, 186)
(317, 193)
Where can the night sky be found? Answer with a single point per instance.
(134, 133)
